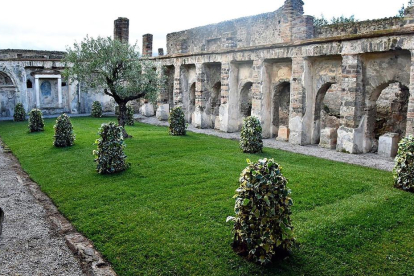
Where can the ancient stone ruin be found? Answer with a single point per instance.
(345, 86)
(342, 86)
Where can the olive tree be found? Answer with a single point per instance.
(115, 68)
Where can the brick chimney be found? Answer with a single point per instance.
(121, 29)
(147, 45)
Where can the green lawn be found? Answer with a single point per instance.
(166, 214)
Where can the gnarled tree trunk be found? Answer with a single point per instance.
(122, 117)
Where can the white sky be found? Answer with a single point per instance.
(53, 25)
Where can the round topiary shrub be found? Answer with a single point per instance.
(110, 156)
(262, 225)
(19, 113)
(251, 135)
(177, 123)
(130, 116)
(96, 109)
(36, 122)
(404, 165)
(64, 136)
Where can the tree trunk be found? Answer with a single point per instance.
(122, 118)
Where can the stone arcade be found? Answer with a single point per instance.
(345, 86)
(348, 87)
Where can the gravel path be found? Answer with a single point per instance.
(370, 160)
(28, 244)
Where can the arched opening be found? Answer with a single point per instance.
(191, 102)
(319, 108)
(216, 99)
(29, 84)
(246, 100)
(387, 112)
(7, 95)
(281, 104)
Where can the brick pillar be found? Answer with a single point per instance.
(300, 83)
(350, 135)
(410, 114)
(178, 94)
(147, 45)
(201, 120)
(121, 29)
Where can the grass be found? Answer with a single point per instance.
(166, 214)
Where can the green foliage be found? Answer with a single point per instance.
(177, 125)
(262, 226)
(404, 165)
(251, 135)
(19, 113)
(36, 122)
(322, 21)
(96, 109)
(402, 11)
(110, 156)
(130, 115)
(64, 136)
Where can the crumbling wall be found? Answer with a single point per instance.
(284, 25)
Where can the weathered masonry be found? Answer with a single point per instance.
(348, 87)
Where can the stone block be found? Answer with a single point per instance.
(328, 138)
(283, 134)
(147, 110)
(388, 144)
(200, 119)
(349, 140)
(217, 123)
(163, 112)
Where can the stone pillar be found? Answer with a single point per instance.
(160, 52)
(229, 108)
(410, 114)
(121, 29)
(350, 134)
(60, 101)
(162, 111)
(267, 100)
(223, 111)
(257, 89)
(37, 89)
(301, 82)
(200, 118)
(147, 45)
(177, 94)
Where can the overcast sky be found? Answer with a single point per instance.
(53, 25)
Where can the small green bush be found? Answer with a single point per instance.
(36, 122)
(64, 136)
(19, 113)
(251, 135)
(130, 116)
(96, 109)
(177, 123)
(404, 165)
(110, 156)
(262, 226)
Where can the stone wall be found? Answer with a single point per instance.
(284, 25)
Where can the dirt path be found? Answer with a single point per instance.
(36, 238)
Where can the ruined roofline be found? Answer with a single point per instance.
(30, 51)
(318, 40)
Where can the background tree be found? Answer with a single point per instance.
(114, 67)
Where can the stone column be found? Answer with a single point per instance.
(60, 101)
(301, 82)
(201, 120)
(178, 94)
(410, 114)
(162, 111)
(121, 29)
(229, 108)
(350, 135)
(223, 111)
(147, 45)
(37, 89)
(257, 89)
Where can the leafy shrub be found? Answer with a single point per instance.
(262, 226)
(177, 123)
(64, 136)
(96, 109)
(19, 113)
(110, 156)
(130, 116)
(404, 165)
(251, 135)
(36, 122)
